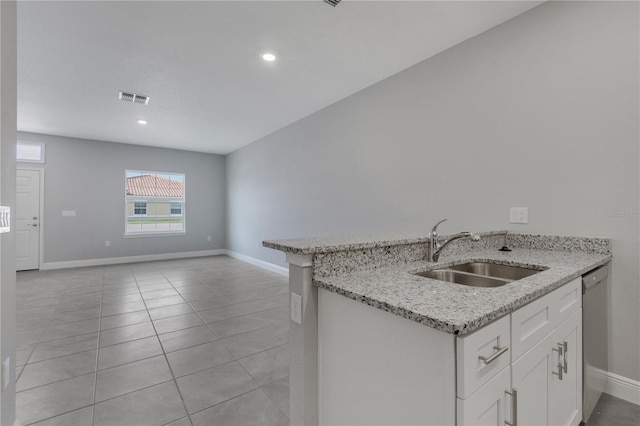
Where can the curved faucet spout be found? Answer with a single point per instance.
(436, 247)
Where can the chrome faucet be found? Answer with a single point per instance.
(436, 247)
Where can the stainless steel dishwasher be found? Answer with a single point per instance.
(594, 337)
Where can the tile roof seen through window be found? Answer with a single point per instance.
(153, 186)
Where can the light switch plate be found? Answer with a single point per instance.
(519, 215)
(296, 308)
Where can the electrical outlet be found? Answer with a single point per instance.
(107, 243)
(519, 215)
(68, 213)
(296, 308)
(209, 238)
(258, 244)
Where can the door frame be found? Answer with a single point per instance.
(40, 213)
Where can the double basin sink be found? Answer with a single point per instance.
(479, 274)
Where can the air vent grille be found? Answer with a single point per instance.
(133, 98)
(333, 3)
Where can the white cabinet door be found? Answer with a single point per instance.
(530, 376)
(565, 396)
(488, 406)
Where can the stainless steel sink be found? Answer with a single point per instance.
(479, 274)
(462, 278)
(497, 271)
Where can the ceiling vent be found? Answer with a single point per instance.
(333, 3)
(133, 98)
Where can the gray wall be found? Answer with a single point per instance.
(8, 120)
(88, 176)
(541, 112)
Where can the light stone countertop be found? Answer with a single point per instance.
(455, 308)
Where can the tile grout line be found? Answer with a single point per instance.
(95, 377)
(166, 359)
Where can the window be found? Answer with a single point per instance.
(176, 209)
(154, 203)
(30, 152)
(139, 208)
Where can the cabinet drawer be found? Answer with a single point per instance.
(531, 323)
(488, 405)
(481, 355)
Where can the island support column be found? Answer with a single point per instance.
(303, 344)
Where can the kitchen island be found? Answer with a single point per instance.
(377, 344)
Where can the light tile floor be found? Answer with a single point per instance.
(183, 342)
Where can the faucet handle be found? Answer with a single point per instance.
(435, 227)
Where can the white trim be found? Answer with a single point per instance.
(622, 387)
(130, 259)
(16, 422)
(257, 262)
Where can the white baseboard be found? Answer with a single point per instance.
(261, 263)
(623, 388)
(130, 259)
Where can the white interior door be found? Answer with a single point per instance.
(27, 219)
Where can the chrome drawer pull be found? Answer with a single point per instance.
(514, 407)
(565, 348)
(488, 360)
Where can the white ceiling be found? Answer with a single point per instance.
(199, 62)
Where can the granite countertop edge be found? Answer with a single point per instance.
(310, 246)
(454, 308)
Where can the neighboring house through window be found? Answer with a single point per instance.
(154, 203)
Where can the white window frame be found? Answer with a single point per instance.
(40, 145)
(128, 234)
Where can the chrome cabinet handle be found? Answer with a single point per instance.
(488, 360)
(562, 359)
(514, 407)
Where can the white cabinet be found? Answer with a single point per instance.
(565, 395)
(375, 367)
(545, 370)
(487, 406)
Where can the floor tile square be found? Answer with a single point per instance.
(122, 308)
(278, 392)
(56, 369)
(83, 416)
(167, 325)
(70, 329)
(185, 338)
(164, 301)
(57, 398)
(126, 334)
(196, 358)
(215, 385)
(131, 377)
(170, 311)
(124, 353)
(256, 341)
(268, 366)
(239, 325)
(66, 346)
(253, 408)
(122, 320)
(156, 405)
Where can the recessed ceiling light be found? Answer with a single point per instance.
(269, 57)
(143, 122)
